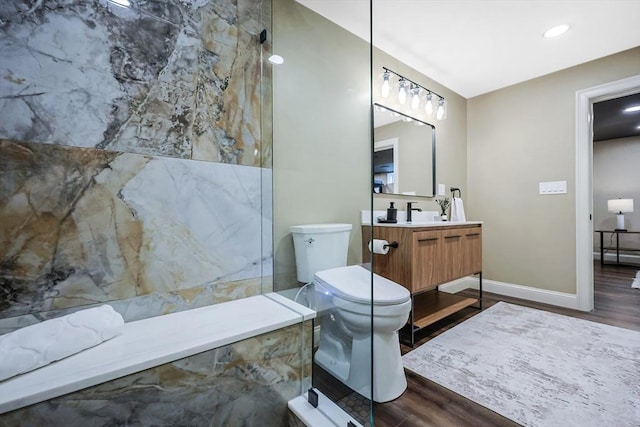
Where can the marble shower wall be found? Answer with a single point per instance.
(149, 235)
(133, 169)
(243, 384)
(171, 78)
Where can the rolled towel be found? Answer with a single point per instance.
(457, 210)
(38, 345)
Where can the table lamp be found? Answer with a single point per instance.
(620, 206)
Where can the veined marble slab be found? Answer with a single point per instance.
(85, 226)
(173, 78)
(153, 342)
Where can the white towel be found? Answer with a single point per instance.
(636, 281)
(38, 345)
(457, 210)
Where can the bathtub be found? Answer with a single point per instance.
(152, 342)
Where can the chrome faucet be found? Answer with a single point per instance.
(410, 208)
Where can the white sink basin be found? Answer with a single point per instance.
(417, 217)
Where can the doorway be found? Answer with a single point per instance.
(584, 180)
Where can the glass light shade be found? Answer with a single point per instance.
(415, 97)
(386, 84)
(441, 112)
(428, 107)
(620, 205)
(402, 91)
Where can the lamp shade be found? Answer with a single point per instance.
(620, 205)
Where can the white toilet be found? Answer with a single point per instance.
(344, 297)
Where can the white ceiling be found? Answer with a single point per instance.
(477, 46)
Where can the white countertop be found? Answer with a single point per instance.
(425, 224)
(152, 342)
(420, 219)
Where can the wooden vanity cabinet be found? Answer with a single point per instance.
(425, 258)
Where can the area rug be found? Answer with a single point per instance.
(538, 368)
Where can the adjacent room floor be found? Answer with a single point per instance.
(426, 403)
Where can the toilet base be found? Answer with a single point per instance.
(389, 381)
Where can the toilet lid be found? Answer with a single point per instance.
(353, 283)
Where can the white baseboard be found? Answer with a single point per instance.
(560, 299)
(624, 258)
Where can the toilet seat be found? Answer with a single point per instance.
(353, 283)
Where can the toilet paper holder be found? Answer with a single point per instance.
(391, 245)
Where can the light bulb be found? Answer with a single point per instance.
(402, 91)
(428, 107)
(415, 97)
(440, 111)
(386, 84)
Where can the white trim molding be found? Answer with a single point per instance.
(624, 258)
(528, 293)
(584, 177)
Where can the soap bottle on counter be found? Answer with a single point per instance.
(392, 213)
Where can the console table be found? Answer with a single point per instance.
(617, 247)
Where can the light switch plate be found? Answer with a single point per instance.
(441, 189)
(552, 187)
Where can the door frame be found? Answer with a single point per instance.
(584, 179)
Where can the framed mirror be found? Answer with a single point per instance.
(404, 157)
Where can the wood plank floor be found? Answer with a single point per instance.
(426, 403)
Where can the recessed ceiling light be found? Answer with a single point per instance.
(555, 31)
(632, 109)
(276, 59)
(123, 3)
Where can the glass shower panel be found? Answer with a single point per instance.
(322, 175)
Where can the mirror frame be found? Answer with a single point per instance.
(433, 151)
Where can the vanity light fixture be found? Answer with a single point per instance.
(434, 103)
(632, 109)
(555, 31)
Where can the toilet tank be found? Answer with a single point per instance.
(319, 247)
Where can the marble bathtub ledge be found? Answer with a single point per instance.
(152, 342)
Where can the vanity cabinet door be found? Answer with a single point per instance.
(453, 254)
(472, 251)
(426, 260)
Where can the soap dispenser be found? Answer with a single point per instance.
(392, 213)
